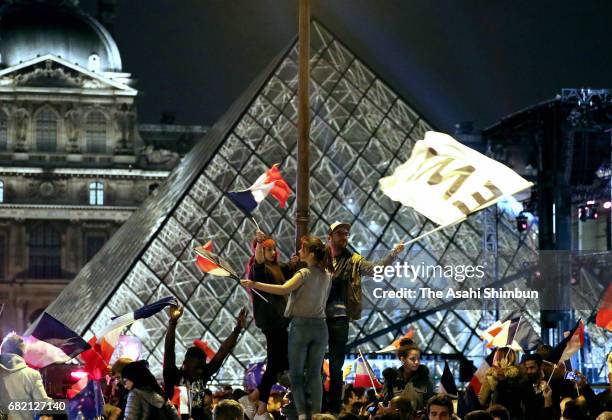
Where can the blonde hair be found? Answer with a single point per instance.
(504, 357)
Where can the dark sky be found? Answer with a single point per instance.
(453, 60)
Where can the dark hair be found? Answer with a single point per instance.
(371, 395)
(387, 416)
(348, 416)
(356, 407)
(142, 377)
(359, 391)
(322, 252)
(195, 352)
(348, 393)
(407, 342)
(238, 393)
(498, 410)
(533, 357)
(404, 350)
(576, 409)
(403, 406)
(442, 401)
(545, 351)
(478, 415)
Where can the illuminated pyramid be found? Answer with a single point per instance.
(361, 130)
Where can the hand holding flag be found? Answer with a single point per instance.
(210, 263)
(271, 183)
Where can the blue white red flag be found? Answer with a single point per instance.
(364, 375)
(573, 341)
(50, 341)
(103, 345)
(210, 263)
(269, 183)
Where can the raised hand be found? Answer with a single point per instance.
(175, 312)
(241, 322)
(399, 248)
(260, 236)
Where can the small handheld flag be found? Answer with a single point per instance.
(210, 263)
(364, 375)
(573, 341)
(269, 183)
(50, 341)
(396, 343)
(103, 344)
(447, 382)
(603, 318)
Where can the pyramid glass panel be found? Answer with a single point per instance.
(361, 130)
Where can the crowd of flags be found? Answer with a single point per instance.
(456, 180)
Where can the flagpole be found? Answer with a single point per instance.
(367, 368)
(477, 209)
(302, 212)
(551, 374)
(256, 224)
(518, 325)
(434, 231)
(253, 290)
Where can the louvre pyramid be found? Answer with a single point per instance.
(361, 130)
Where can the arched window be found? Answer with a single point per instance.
(95, 132)
(46, 131)
(3, 131)
(45, 252)
(96, 193)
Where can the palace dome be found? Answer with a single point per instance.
(33, 28)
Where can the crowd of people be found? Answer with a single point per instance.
(303, 310)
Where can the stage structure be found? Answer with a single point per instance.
(568, 140)
(360, 131)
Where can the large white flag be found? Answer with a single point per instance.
(446, 181)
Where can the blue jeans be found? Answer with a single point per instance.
(307, 342)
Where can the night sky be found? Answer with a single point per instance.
(475, 60)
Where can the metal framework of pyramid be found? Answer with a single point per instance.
(360, 131)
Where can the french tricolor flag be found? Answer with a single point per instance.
(364, 375)
(573, 341)
(97, 358)
(269, 183)
(50, 342)
(210, 263)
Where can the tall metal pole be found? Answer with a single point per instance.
(302, 216)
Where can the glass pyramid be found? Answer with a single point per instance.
(361, 130)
